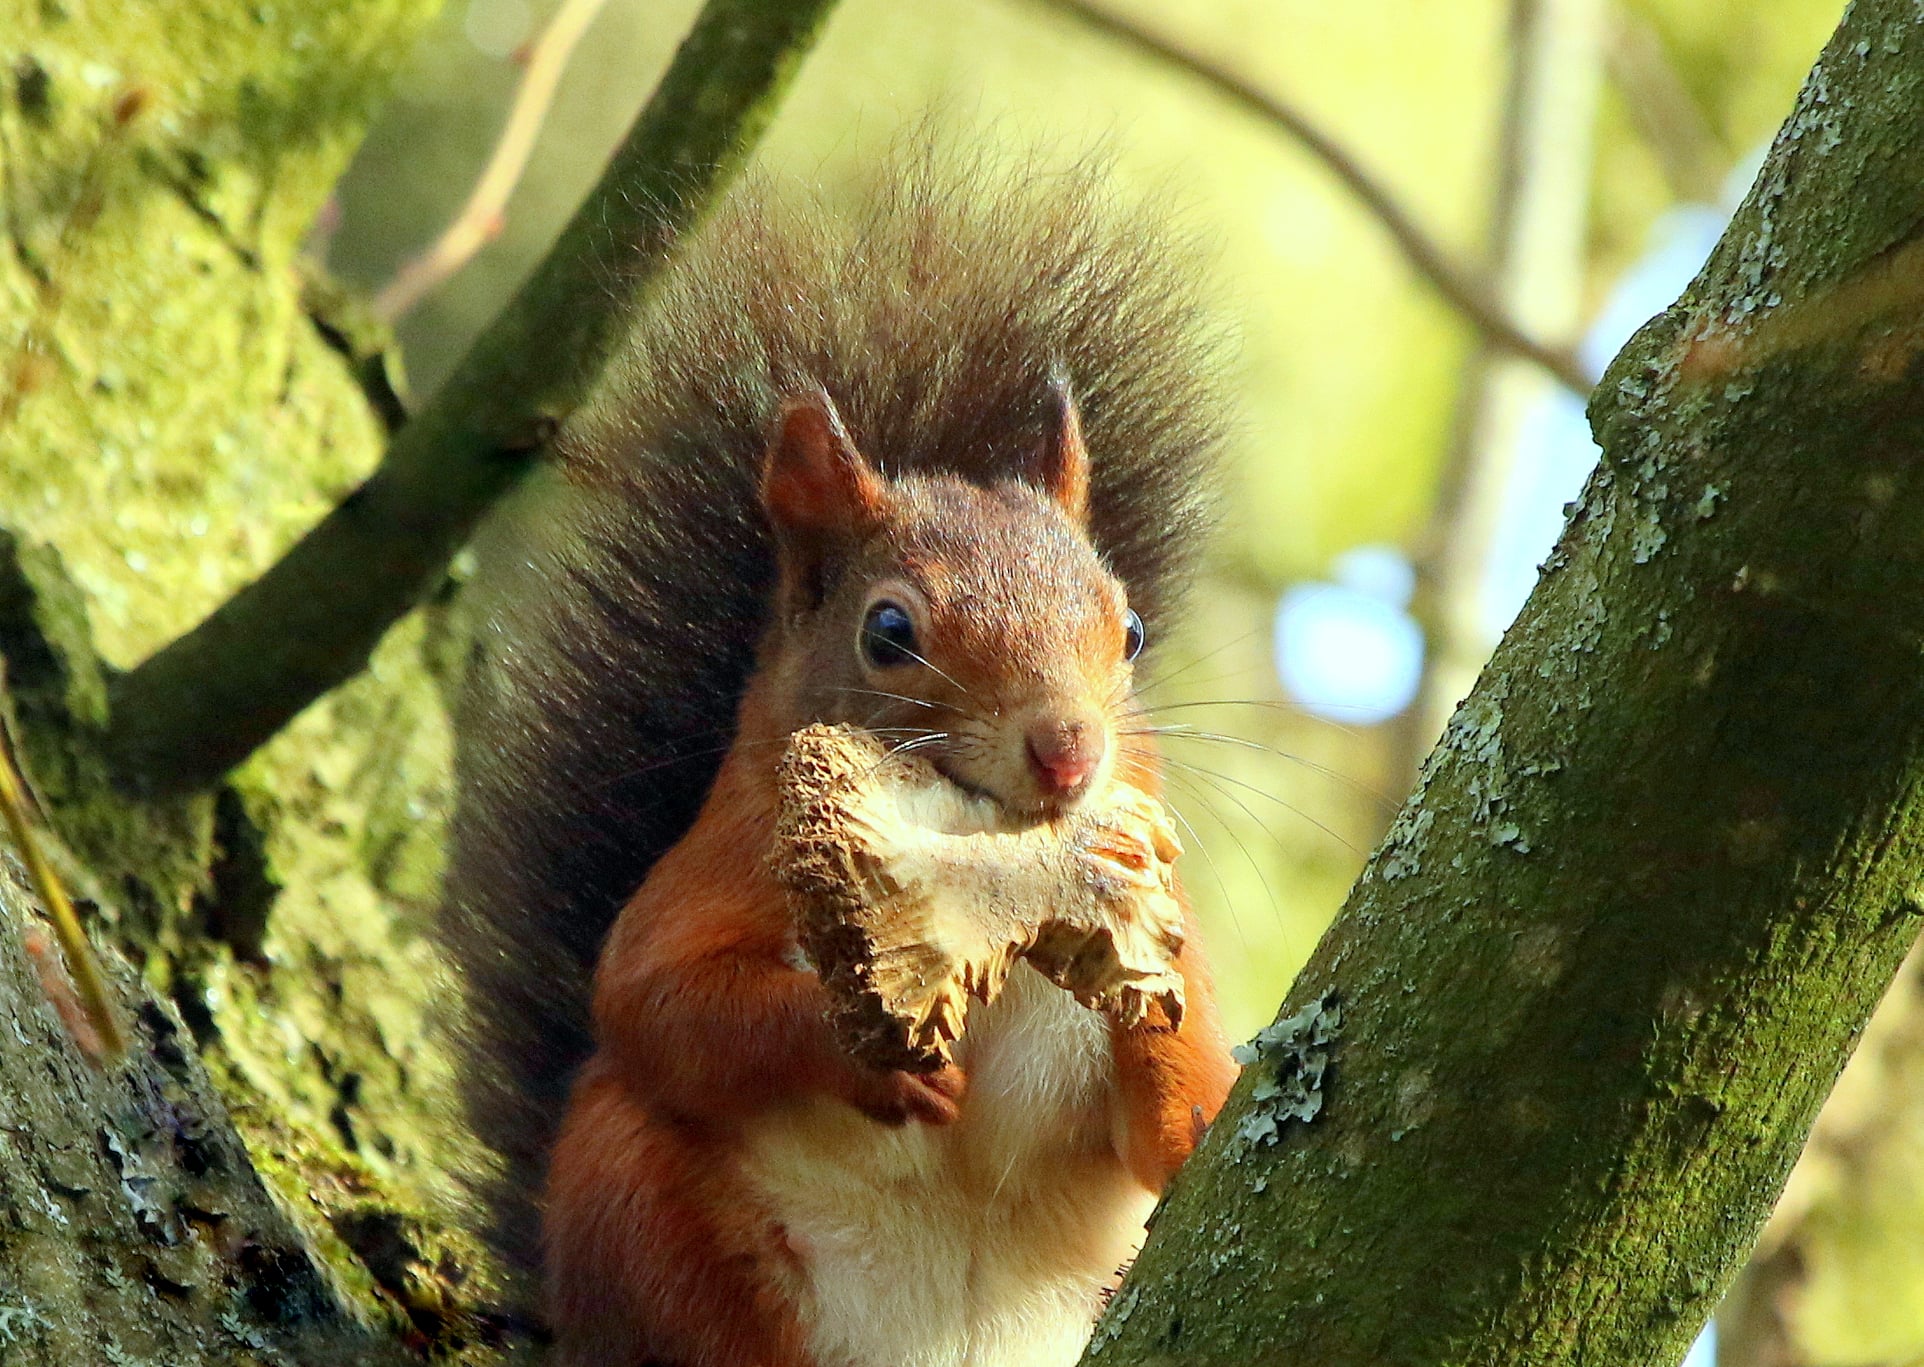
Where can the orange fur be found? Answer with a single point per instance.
(1172, 1081)
(729, 1188)
(653, 1256)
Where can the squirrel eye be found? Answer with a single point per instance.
(888, 636)
(1131, 635)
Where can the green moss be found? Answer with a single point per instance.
(175, 419)
(155, 212)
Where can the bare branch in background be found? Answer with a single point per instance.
(202, 704)
(479, 221)
(1462, 289)
(1667, 117)
(1538, 225)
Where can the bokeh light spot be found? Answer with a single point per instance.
(498, 27)
(1347, 650)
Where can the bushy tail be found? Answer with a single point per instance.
(619, 604)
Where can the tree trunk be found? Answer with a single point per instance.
(137, 1229)
(178, 398)
(1532, 1097)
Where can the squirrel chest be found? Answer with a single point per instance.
(985, 1243)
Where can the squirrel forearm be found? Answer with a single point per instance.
(719, 1037)
(1171, 1082)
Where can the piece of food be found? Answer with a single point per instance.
(913, 896)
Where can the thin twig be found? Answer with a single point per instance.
(1460, 288)
(82, 967)
(1667, 116)
(480, 219)
(202, 704)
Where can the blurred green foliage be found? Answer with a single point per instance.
(1349, 365)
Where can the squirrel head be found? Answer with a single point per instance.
(975, 626)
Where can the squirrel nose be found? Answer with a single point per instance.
(1063, 754)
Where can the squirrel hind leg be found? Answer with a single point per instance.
(654, 1260)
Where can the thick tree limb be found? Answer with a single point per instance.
(1460, 288)
(1591, 990)
(202, 704)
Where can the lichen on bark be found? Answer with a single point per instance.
(1604, 969)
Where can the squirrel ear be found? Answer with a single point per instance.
(1061, 465)
(814, 481)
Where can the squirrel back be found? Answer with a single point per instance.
(619, 605)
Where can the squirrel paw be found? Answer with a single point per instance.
(1129, 850)
(895, 1098)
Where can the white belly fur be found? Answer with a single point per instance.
(985, 1243)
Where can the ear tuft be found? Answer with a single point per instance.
(815, 484)
(1061, 464)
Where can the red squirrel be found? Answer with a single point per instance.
(933, 471)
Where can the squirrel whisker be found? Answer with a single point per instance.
(1219, 778)
(1197, 779)
(943, 674)
(882, 693)
(709, 752)
(1184, 731)
(1189, 786)
(1159, 680)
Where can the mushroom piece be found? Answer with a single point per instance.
(911, 896)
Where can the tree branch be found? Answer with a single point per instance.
(1565, 1041)
(203, 703)
(1460, 288)
(1667, 117)
(479, 221)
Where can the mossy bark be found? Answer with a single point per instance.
(136, 1228)
(1535, 1092)
(1838, 1277)
(200, 706)
(175, 404)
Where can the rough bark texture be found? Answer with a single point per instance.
(176, 401)
(1557, 1055)
(1838, 1277)
(135, 1227)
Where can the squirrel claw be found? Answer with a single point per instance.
(931, 1098)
